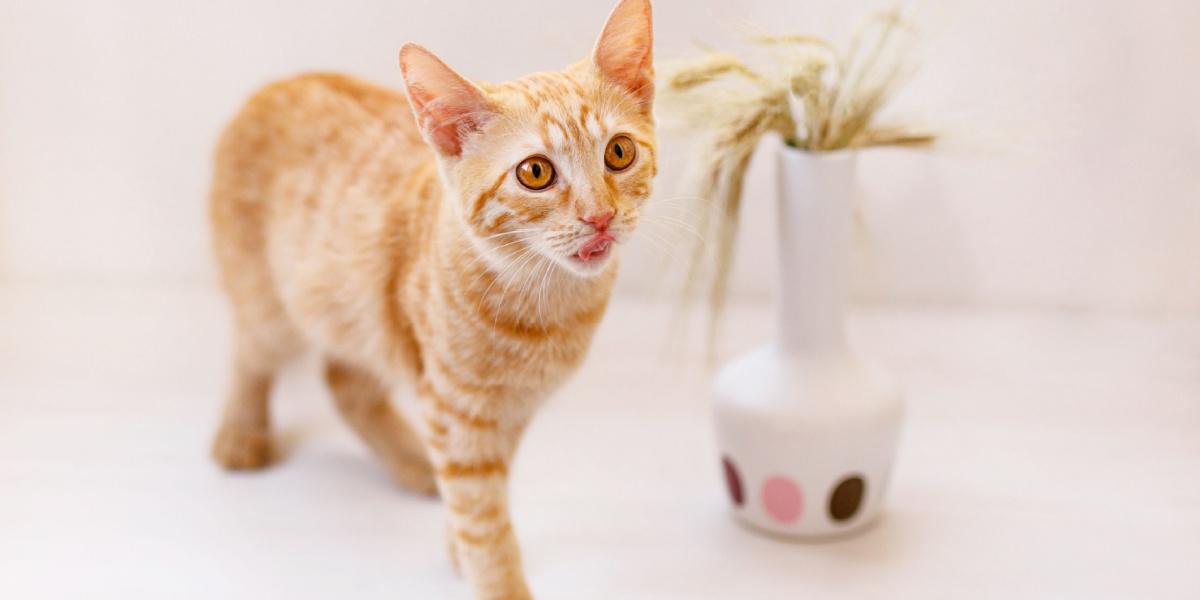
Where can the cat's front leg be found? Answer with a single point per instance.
(471, 455)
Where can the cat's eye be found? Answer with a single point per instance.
(535, 173)
(620, 153)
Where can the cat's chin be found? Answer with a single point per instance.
(590, 267)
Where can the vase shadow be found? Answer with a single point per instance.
(879, 542)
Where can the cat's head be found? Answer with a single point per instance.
(559, 163)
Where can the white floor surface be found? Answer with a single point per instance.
(1045, 456)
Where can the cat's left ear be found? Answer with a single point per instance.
(448, 107)
(624, 52)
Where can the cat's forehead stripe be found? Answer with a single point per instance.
(560, 128)
(557, 133)
(565, 114)
(590, 121)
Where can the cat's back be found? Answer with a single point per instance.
(315, 148)
(316, 116)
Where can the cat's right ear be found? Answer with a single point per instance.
(448, 107)
(623, 54)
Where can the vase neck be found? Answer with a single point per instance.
(815, 205)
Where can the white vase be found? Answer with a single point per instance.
(807, 431)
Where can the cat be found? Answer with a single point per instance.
(459, 238)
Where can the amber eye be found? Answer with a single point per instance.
(620, 153)
(535, 173)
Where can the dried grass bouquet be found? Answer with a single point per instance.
(817, 98)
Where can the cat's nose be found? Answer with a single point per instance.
(600, 220)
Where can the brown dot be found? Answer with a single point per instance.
(846, 498)
(733, 481)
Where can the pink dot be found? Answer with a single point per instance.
(781, 497)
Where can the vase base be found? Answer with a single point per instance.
(850, 530)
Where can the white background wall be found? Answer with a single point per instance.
(1073, 182)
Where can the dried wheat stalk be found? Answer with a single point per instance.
(816, 98)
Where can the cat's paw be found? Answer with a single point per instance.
(241, 449)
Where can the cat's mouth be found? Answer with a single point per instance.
(596, 248)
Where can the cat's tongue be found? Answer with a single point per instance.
(596, 247)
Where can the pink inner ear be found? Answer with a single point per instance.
(448, 107)
(624, 51)
(448, 122)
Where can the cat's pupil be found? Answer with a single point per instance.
(537, 171)
(619, 151)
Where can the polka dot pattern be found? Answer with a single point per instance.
(733, 482)
(846, 498)
(782, 499)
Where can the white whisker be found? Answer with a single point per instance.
(678, 224)
(665, 247)
(504, 292)
(485, 296)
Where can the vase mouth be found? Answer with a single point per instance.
(841, 154)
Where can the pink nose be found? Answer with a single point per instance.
(599, 221)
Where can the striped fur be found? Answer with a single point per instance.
(390, 234)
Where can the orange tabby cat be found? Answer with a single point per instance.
(468, 251)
